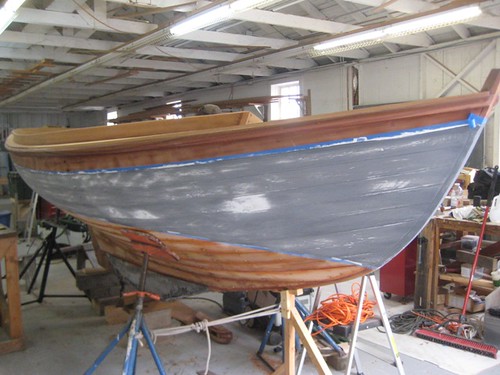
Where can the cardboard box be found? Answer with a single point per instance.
(457, 301)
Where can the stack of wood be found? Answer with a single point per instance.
(102, 287)
(105, 289)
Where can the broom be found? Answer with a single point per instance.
(491, 193)
(460, 342)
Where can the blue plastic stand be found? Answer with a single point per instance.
(137, 324)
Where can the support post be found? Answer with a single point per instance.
(294, 323)
(10, 307)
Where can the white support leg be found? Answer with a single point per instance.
(385, 322)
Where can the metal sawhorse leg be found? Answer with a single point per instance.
(49, 249)
(385, 321)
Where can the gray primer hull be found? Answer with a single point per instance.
(359, 202)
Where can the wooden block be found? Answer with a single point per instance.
(13, 345)
(187, 315)
(116, 315)
(100, 304)
(158, 319)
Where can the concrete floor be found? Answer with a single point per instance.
(65, 336)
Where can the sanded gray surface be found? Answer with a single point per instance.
(360, 202)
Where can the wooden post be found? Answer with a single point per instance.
(293, 322)
(10, 307)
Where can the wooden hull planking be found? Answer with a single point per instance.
(223, 267)
(235, 204)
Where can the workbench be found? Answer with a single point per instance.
(428, 276)
(10, 305)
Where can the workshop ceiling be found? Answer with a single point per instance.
(76, 54)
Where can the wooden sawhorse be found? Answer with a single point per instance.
(10, 304)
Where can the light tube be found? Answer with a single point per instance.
(354, 39)
(215, 15)
(197, 22)
(8, 13)
(435, 21)
(13, 5)
(375, 36)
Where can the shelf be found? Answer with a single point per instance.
(428, 276)
(481, 286)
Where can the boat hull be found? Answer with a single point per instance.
(220, 267)
(226, 202)
(355, 201)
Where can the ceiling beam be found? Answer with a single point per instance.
(292, 21)
(154, 3)
(57, 41)
(417, 6)
(237, 39)
(403, 6)
(61, 19)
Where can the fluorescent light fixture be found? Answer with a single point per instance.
(199, 21)
(378, 35)
(13, 5)
(241, 5)
(215, 15)
(8, 13)
(443, 19)
(355, 39)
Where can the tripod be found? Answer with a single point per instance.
(48, 250)
(135, 326)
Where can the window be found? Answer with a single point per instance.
(112, 115)
(176, 110)
(287, 106)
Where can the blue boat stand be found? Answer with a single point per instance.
(134, 328)
(292, 312)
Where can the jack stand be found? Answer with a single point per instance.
(136, 324)
(353, 355)
(49, 248)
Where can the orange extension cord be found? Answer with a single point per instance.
(341, 309)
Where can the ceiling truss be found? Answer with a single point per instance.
(79, 54)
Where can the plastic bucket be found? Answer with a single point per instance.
(5, 218)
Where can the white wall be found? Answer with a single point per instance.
(65, 119)
(328, 89)
(389, 81)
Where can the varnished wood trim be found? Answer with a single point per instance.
(194, 145)
(224, 267)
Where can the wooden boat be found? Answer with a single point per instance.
(232, 203)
